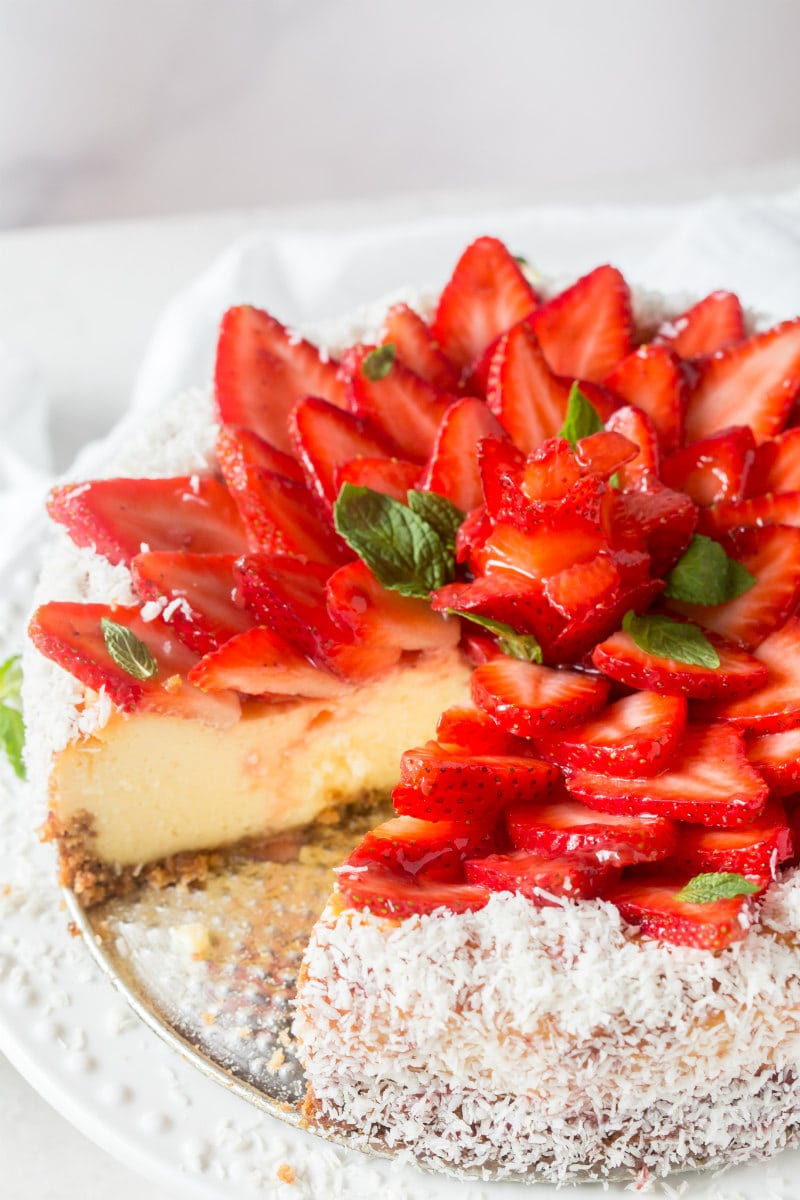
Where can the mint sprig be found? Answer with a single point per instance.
(705, 574)
(377, 364)
(12, 728)
(440, 513)
(128, 651)
(715, 885)
(665, 638)
(404, 550)
(582, 418)
(512, 643)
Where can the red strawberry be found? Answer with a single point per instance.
(325, 438)
(423, 849)
(473, 731)
(358, 603)
(485, 296)
(437, 783)
(642, 471)
(392, 476)
(754, 849)
(396, 898)
(281, 517)
(712, 324)
(776, 757)
(651, 379)
(514, 601)
(567, 827)
(472, 533)
(772, 556)
(402, 407)
(584, 589)
(200, 589)
(417, 348)
(757, 381)
(529, 400)
(263, 369)
(651, 902)
(738, 673)
(777, 465)
(637, 735)
(781, 508)
(119, 518)
(549, 471)
(542, 880)
(544, 551)
(71, 635)
(711, 783)
(260, 663)
(453, 469)
(587, 329)
(776, 704)
(239, 448)
(531, 700)
(501, 464)
(288, 595)
(604, 453)
(712, 469)
(659, 520)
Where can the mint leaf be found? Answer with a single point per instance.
(666, 638)
(515, 645)
(582, 419)
(705, 574)
(440, 513)
(12, 738)
(715, 885)
(11, 678)
(378, 363)
(127, 650)
(403, 551)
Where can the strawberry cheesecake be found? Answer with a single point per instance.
(531, 564)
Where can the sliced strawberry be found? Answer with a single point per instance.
(528, 399)
(71, 635)
(651, 902)
(288, 595)
(423, 849)
(532, 700)
(777, 465)
(396, 898)
(758, 381)
(776, 704)
(281, 517)
(757, 848)
(604, 453)
(263, 369)
(772, 556)
(392, 476)
(711, 783)
(585, 588)
(549, 471)
(659, 520)
(776, 757)
(738, 673)
(637, 735)
(417, 348)
(325, 438)
(567, 827)
(513, 600)
(651, 379)
(437, 783)
(473, 731)
(587, 329)
(486, 294)
(260, 663)
(642, 471)
(472, 533)
(453, 469)
(780, 508)
(402, 407)
(714, 468)
(357, 602)
(540, 553)
(198, 590)
(712, 324)
(239, 448)
(541, 879)
(501, 465)
(579, 635)
(119, 518)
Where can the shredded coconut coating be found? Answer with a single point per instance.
(553, 1041)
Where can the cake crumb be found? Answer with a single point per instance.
(277, 1061)
(285, 1173)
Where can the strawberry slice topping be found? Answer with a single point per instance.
(712, 324)
(587, 329)
(260, 663)
(531, 700)
(541, 879)
(714, 468)
(199, 590)
(385, 894)
(325, 438)
(472, 731)
(757, 848)
(651, 379)
(651, 902)
(263, 369)
(405, 409)
(738, 673)
(281, 517)
(417, 348)
(568, 827)
(392, 476)
(776, 704)
(357, 602)
(776, 757)
(239, 448)
(528, 399)
(423, 849)
(453, 469)
(776, 465)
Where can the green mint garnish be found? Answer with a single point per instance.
(666, 638)
(378, 363)
(440, 513)
(128, 651)
(716, 885)
(705, 574)
(402, 549)
(12, 729)
(582, 419)
(515, 645)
